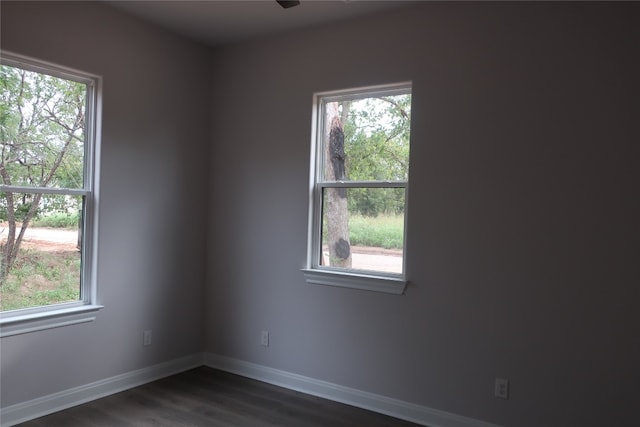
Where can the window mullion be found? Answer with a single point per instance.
(363, 184)
(43, 190)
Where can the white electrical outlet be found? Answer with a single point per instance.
(146, 337)
(501, 389)
(264, 338)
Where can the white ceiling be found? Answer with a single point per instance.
(216, 22)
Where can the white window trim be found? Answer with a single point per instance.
(354, 280)
(55, 317)
(314, 273)
(21, 321)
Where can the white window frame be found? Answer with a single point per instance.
(20, 321)
(325, 275)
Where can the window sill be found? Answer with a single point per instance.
(32, 322)
(389, 285)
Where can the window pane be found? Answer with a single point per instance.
(42, 129)
(43, 266)
(363, 228)
(367, 139)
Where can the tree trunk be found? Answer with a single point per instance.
(10, 249)
(336, 198)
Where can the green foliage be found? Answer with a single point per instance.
(384, 231)
(377, 149)
(51, 211)
(41, 129)
(375, 201)
(41, 138)
(58, 220)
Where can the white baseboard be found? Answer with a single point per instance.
(45, 405)
(396, 408)
(25, 411)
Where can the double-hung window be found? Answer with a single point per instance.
(48, 132)
(358, 188)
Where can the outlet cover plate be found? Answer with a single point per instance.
(501, 389)
(146, 337)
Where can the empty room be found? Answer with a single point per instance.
(320, 213)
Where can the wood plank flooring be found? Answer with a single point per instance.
(208, 397)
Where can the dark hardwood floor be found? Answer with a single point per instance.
(208, 397)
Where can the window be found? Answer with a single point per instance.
(359, 179)
(47, 191)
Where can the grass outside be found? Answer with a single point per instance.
(383, 231)
(41, 278)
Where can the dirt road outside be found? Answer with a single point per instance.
(375, 259)
(45, 239)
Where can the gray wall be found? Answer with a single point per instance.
(152, 227)
(523, 209)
